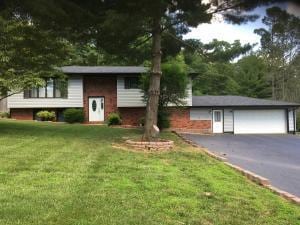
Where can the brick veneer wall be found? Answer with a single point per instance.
(179, 119)
(106, 87)
(132, 116)
(21, 114)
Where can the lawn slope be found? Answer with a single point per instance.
(71, 174)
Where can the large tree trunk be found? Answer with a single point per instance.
(154, 86)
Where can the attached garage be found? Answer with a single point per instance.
(244, 115)
(260, 121)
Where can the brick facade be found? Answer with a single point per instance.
(132, 116)
(180, 120)
(21, 114)
(105, 86)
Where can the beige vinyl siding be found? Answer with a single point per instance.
(134, 97)
(74, 99)
(228, 120)
(128, 97)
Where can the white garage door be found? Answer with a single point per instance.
(260, 121)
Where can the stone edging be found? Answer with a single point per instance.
(251, 176)
(151, 145)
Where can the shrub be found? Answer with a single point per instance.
(45, 115)
(74, 115)
(163, 120)
(4, 115)
(114, 119)
(142, 121)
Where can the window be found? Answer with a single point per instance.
(131, 83)
(54, 89)
(217, 116)
(34, 93)
(50, 88)
(41, 92)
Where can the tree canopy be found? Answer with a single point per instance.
(173, 88)
(27, 55)
(280, 48)
(125, 27)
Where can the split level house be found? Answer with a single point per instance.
(101, 90)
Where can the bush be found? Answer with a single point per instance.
(46, 115)
(4, 115)
(141, 121)
(163, 120)
(114, 119)
(74, 115)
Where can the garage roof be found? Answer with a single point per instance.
(229, 100)
(104, 69)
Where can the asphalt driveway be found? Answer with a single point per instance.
(276, 157)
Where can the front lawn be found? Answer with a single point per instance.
(73, 174)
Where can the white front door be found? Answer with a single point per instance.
(96, 109)
(217, 121)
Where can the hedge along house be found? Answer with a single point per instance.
(101, 90)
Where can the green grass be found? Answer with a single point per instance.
(71, 174)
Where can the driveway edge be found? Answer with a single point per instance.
(262, 181)
(211, 154)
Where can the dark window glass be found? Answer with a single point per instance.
(61, 89)
(27, 94)
(54, 89)
(131, 82)
(217, 116)
(94, 105)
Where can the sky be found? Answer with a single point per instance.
(221, 30)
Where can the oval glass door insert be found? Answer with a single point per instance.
(94, 105)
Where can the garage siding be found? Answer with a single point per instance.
(291, 121)
(228, 120)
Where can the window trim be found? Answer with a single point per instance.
(46, 92)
